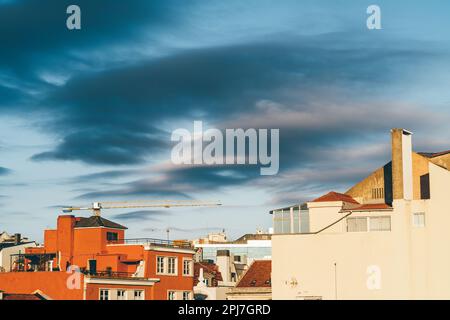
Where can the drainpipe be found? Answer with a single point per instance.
(335, 282)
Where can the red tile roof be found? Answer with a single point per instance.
(335, 196)
(370, 207)
(208, 268)
(258, 275)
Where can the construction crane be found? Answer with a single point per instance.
(96, 207)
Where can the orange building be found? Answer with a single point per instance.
(89, 258)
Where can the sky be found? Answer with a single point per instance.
(87, 115)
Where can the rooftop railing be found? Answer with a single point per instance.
(110, 275)
(154, 242)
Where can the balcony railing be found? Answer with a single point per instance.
(110, 274)
(154, 242)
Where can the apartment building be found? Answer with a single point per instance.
(90, 258)
(11, 246)
(385, 238)
(243, 250)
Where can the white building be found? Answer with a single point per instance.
(385, 238)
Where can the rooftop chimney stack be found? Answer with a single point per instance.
(402, 182)
(17, 238)
(224, 264)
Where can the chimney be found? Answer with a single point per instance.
(65, 239)
(17, 239)
(224, 264)
(402, 181)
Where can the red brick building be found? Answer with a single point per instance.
(90, 258)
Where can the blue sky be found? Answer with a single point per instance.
(87, 115)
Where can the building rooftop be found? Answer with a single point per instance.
(371, 207)
(434, 154)
(252, 236)
(22, 296)
(335, 196)
(258, 275)
(97, 221)
(208, 268)
(4, 245)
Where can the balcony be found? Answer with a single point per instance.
(107, 274)
(152, 242)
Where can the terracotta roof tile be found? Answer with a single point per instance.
(258, 275)
(335, 196)
(208, 268)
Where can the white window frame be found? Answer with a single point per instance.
(101, 294)
(163, 259)
(169, 292)
(356, 217)
(141, 295)
(124, 297)
(368, 224)
(190, 266)
(424, 222)
(380, 217)
(188, 295)
(175, 266)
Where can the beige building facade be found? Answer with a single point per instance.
(385, 238)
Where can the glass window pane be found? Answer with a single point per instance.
(380, 223)
(358, 224)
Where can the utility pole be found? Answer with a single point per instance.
(335, 282)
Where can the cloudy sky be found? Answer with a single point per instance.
(87, 115)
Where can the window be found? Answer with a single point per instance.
(104, 294)
(364, 224)
(112, 236)
(357, 224)
(291, 220)
(425, 187)
(121, 295)
(160, 265)
(186, 295)
(138, 295)
(187, 267)
(380, 223)
(378, 193)
(419, 219)
(171, 295)
(172, 265)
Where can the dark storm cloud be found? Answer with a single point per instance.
(325, 93)
(36, 42)
(216, 83)
(137, 190)
(106, 145)
(141, 215)
(34, 32)
(4, 171)
(180, 182)
(103, 176)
